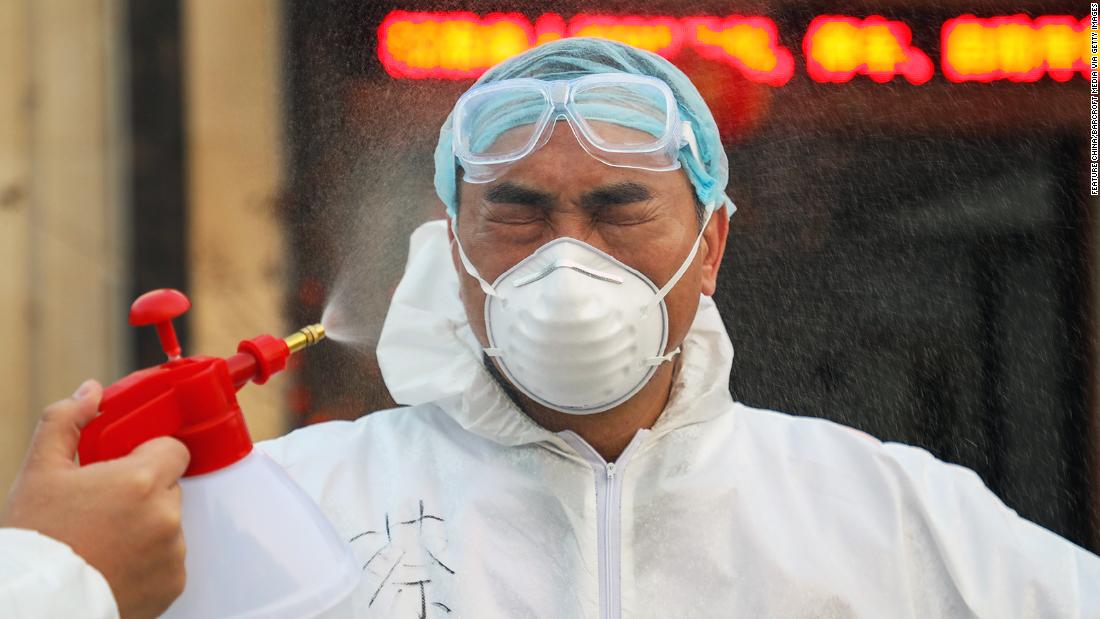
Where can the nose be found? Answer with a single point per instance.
(577, 224)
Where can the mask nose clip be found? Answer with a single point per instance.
(565, 263)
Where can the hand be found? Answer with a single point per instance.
(122, 516)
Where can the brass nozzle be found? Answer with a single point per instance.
(305, 337)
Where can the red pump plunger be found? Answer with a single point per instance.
(193, 399)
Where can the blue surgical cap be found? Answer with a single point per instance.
(571, 58)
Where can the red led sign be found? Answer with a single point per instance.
(1015, 48)
(837, 48)
(749, 44)
(457, 45)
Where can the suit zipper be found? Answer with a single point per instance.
(608, 477)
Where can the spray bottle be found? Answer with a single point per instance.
(257, 545)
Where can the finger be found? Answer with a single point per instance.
(165, 456)
(175, 495)
(58, 432)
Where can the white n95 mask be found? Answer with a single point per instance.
(575, 329)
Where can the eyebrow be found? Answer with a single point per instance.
(511, 193)
(617, 194)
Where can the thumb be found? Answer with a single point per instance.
(58, 432)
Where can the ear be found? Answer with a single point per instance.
(713, 247)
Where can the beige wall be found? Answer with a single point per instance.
(62, 210)
(15, 306)
(64, 283)
(232, 55)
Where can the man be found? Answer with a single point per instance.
(571, 448)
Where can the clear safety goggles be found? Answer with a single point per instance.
(621, 119)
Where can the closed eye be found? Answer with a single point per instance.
(513, 214)
(621, 204)
(511, 203)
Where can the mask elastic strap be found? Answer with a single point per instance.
(658, 360)
(469, 266)
(657, 298)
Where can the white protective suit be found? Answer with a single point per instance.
(460, 505)
(42, 578)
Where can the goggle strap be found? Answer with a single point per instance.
(689, 137)
(469, 266)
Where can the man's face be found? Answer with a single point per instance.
(645, 219)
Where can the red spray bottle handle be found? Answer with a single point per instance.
(190, 398)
